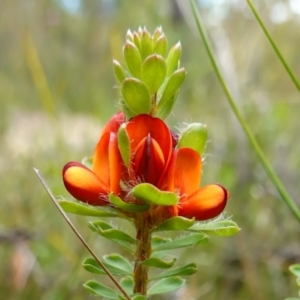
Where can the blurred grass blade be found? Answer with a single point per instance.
(78, 234)
(278, 53)
(253, 142)
(38, 75)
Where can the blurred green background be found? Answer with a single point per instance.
(57, 90)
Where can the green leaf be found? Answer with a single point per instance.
(186, 241)
(150, 194)
(185, 270)
(295, 269)
(195, 137)
(146, 43)
(154, 71)
(118, 262)
(118, 202)
(139, 297)
(119, 71)
(124, 144)
(115, 263)
(166, 285)
(99, 289)
(169, 94)
(159, 240)
(136, 96)
(113, 234)
(173, 58)
(78, 208)
(220, 228)
(161, 46)
(127, 284)
(175, 223)
(159, 263)
(292, 299)
(133, 58)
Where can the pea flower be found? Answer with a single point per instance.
(184, 177)
(93, 186)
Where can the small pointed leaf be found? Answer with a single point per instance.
(118, 202)
(175, 223)
(186, 241)
(113, 234)
(169, 94)
(119, 71)
(173, 58)
(295, 269)
(124, 144)
(166, 285)
(127, 284)
(185, 270)
(150, 194)
(132, 58)
(118, 262)
(78, 208)
(154, 70)
(99, 289)
(159, 240)
(220, 228)
(159, 263)
(139, 297)
(146, 44)
(195, 137)
(136, 96)
(161, 46)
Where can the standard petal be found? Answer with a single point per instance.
(107, 161)
(208, 202)
(114, 123)
(187, 172)
(143, 125)
(84, 185)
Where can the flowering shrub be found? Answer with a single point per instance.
(142, 171)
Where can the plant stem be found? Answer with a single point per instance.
(278, 53)
(143, 236)
(253, 142)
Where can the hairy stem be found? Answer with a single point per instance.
(143, 236)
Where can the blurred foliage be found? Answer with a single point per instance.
(57, 90)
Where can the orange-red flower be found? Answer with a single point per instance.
(184, 177)
(150, 149)
(93, 186)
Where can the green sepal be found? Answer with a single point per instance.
(129, 35)
(118, 202)
(137, 40)
(151, 194)
(127, 284)
(161, 46)
(186, 241)
(82, 209)
(136, 96)
(146, 43)
(159, 263)
(185, 270)
(119, 71)
(175, 223)
(154, 71)
(173, 58)
(88, 162)
(133, 58)
(166, 285)
(124, 144)
(169, 93)
(220, 228)
(99, 289)
(295, 269)
(195, 137)
(113, 234)
(157, 33)
(116, 264)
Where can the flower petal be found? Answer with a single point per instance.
(184, 171)
(107, 162)
(84, 185)
(149, 161)
(114, 123)
(206, 203)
